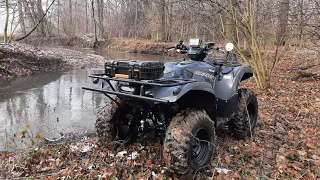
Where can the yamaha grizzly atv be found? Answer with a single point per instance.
(183, 102)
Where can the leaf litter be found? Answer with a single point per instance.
(286, 144)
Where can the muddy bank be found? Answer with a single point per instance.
(18, 59)
(117, 44)
(137, 46)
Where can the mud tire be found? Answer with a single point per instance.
(181, 135)
(106, 123)
(240, 126)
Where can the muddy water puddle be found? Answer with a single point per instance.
(53, 104)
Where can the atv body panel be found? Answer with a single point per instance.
(196, 95)
(185, 76)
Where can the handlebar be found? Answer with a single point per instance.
(181, 48)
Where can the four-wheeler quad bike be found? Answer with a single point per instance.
(184, 102)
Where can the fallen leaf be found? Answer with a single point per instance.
(227, 159)
(297, 165)
(293, 172)
(38, 137)
(315, 157)
(302, 153)
(236, 175)
(223, 170)
(5, 156)
(45, 169)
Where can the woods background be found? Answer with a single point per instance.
(252, 25)
(294, 22)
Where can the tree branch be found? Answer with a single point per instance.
(40, 20)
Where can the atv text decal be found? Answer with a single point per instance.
(202, 73)
(208, 76)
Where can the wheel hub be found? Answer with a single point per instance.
(200, 147)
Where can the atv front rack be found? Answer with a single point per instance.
(140, 84)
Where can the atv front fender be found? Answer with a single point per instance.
(227, 86)
(226, 91)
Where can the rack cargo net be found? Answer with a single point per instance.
(132, 69)
(138, 74)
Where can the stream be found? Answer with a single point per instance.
(53, 104)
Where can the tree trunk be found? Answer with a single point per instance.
(21, 18)
(71, 19)
(6, 22)
(231, 22)
(301, 22)
(162, 21)
(58, 18)
(27, 9)
(35, 27)
(283, 15)
(136, 21)
(100, 16)
(87, 19)
(40, 14)
(95, 43)
(34, 14)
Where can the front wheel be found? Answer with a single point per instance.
(189, 142)
(242, 125)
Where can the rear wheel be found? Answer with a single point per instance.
(115, 122)
(244, 122)
(189, 142)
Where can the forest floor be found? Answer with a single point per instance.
(286, 144)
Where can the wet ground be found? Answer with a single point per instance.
(53, 104)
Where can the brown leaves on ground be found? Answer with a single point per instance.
(286, 144)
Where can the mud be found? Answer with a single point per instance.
(18, 60)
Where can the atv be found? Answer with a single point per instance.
(182, 103)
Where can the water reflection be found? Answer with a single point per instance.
(110, 54)
(55, 102)
(50, 104)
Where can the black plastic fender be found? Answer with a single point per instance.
(226, 91)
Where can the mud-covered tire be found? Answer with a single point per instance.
(243, 124)
(185, 129)
(107, 119)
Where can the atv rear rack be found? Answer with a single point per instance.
(140, 84)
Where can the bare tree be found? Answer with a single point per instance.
(161, 35)
(283, 15)
(100, 10)
(95, 44)
(6, 22)
(39, 22)
(40, 14)
(21, 18)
